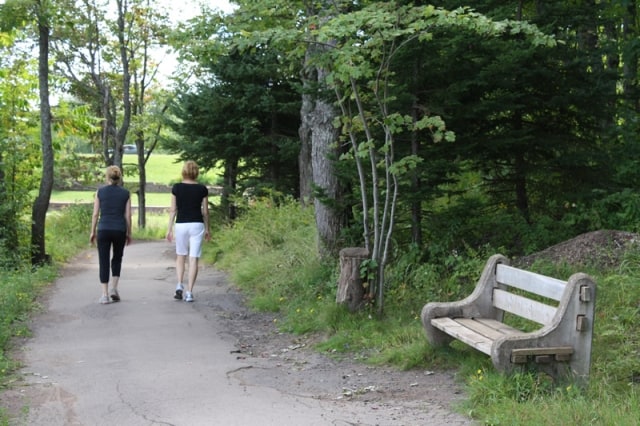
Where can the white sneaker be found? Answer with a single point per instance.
(178, 295)
(188, 297)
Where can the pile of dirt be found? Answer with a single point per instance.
(602, 249)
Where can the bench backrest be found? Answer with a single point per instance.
(520, 305)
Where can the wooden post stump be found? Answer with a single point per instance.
(350, 287)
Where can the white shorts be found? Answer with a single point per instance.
(189, 238)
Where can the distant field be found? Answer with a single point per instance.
(161, 169)
(153, 199)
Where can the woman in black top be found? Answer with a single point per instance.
(112, 205)
(189, 215)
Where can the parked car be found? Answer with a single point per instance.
(129, 149)
(126, 149)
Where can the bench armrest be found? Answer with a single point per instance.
(477, 304)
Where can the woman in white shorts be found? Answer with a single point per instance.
(188, 225)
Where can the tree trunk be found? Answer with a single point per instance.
(230, 178)
(416, 204)
(124, 46)
(324, 135)
(630, 58)
(305, 133)
(317, 116)
(317, 119)
(41, 203)
(520, 183)
(351, 290)
(142, 183)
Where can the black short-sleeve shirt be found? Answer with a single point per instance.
(189, 201)
(113, 203)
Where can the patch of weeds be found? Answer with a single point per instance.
(19, 290)
(67, 231)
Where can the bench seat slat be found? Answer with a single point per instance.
(480, 328)
(542, 285)
(523, 307)
(497, 328)
(481, 332)
(462, 333)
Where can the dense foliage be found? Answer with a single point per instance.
(246, 117)
(18, 150)
(540, 129)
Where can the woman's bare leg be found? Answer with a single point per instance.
(180, 259)
(193, 273)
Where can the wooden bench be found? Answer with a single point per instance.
(564, 309)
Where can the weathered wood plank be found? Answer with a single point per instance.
(552, 350)
(541, 355)
(527, 295)
(523, 307)
(500, 326)
(480, 328)
(542, 285)
(460, 332)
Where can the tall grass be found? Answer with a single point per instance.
(19, 293)
(271, 250)
(68, 230)
(72, 222)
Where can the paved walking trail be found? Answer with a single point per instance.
(151, 360)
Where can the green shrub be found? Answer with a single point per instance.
(68, 230)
